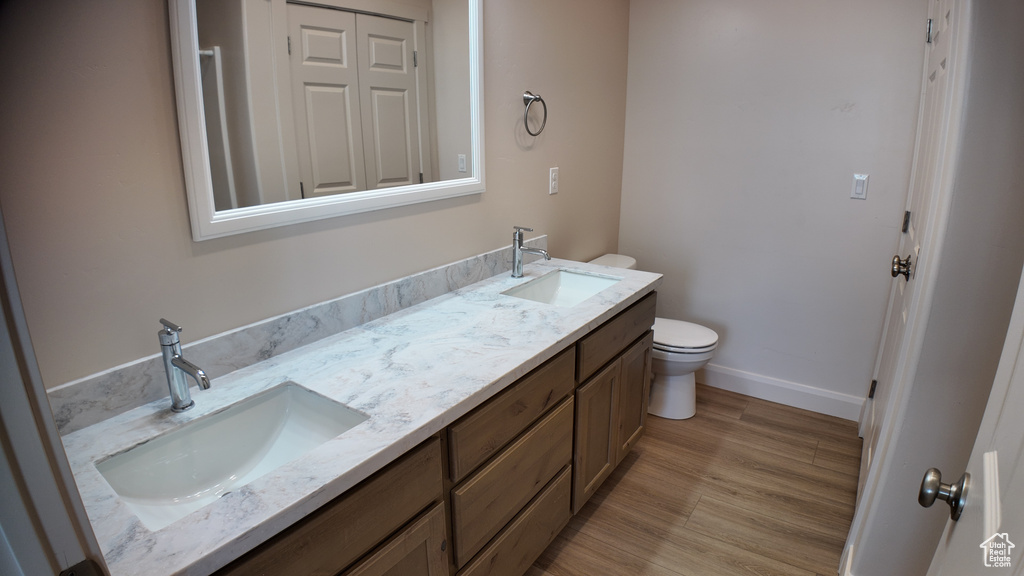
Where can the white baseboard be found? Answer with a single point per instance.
(784, 392)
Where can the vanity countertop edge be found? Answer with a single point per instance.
(413, 372)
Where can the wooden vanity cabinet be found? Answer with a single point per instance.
(509, 475)
(418, 550)
(634, 394)
(386, 508)
(597, 404)
(510, 469)
(614, 368)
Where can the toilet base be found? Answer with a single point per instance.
(673, 397)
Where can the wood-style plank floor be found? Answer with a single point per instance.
(744, 487)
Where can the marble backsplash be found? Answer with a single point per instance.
(89, 400)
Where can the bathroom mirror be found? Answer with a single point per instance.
(296, 111)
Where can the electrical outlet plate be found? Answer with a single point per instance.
(553, 181)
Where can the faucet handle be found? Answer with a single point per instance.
(171, 326)
(523, 229)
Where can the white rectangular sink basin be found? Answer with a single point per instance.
(177, 473)
(562, 287)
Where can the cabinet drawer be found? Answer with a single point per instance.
(490, 427)
(342, 531)
(418, 550)
(607, 341)
(490, 497)
(526, 537)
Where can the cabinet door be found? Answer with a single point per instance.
(634, 394)
(596, 433)
(419, 550)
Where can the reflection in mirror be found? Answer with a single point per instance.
(292, 112)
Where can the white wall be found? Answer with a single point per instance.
(745, 123)
(93, 195)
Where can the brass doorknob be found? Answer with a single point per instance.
(955, 495)
(901, 266)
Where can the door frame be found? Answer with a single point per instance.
(44, 520)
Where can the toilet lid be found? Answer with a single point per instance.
(680, 334)
(615, 261)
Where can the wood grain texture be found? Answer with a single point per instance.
(485, 502)
(512, 551)
(720, 494)
(597, 412)
(328, 540)
(609, 340)
(634, 395)
(484, 431)
(418, 550)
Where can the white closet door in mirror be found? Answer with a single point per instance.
(387, 86)
(325, 94)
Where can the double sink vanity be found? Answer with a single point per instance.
(457, 436)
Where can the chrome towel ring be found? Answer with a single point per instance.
(529, 98)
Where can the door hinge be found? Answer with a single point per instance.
(421, 177)
(906, 221)
(929, 36)
(302, 190)
(871, 392)
(289, 45)
(415, 59)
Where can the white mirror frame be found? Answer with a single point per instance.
(209, 223)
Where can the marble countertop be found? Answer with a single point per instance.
(413, 372)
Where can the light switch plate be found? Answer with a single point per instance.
(553, 181)
(860, 187)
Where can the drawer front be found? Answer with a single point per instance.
(519, 545)
(339, 533)
(611, 338)
(484, 503)
(418, 550)
(490, 427)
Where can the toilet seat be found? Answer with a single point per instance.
(676, 350)
(683, 337)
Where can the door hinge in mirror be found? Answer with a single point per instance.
(415, 59)
(871, 392)
(289, 45)
(928, 39)
(302, 190)
(906, 221)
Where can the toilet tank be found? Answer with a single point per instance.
(616, 261)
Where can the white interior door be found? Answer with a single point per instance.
(928, 203)
(390, 106)
(325, 94)
(989, 536)
(896, 353)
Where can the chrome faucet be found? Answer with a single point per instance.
(518, 251)
(177, 367)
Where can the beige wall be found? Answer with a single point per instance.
(93, 196)
(746, 121)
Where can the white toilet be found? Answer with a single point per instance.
(680, 349)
